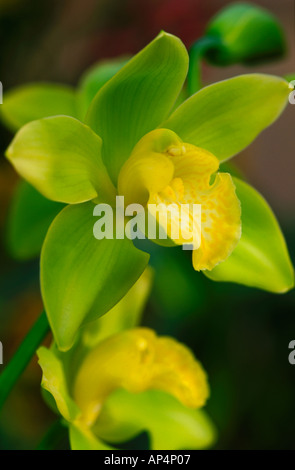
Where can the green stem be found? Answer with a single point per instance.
(22, 357)
(196, 53)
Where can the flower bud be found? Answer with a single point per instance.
(246, 34)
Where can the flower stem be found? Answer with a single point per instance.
(196, 53)
(22, 357)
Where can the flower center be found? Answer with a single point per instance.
(172, 180)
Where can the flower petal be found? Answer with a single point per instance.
(170, 424)
(54, 381)
(193, 168)
(35, 101)
(226, 117)
(124, 315)
(220, 228)
(82, 278)
(149, 169)
(221, 223)
(81, 438)
(60, 157)
(137, 360)
(173, 179)
(220, 208)
(138, 98)
(94, 79)
(261, 258)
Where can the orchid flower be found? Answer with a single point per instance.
(120, 380)
(132, 144)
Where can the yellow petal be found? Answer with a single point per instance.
(221, 212)
(194, 165)
(173, 179)
(221, 223)
(149, 169)
(138, 360)
(176, 219)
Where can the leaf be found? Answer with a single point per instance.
(30, 216)
(35, 101)
(138, 98)
(261, 257)
(60, 157)
(94, 79)
(171, 425)
(247, 34)
(54, 381)
(82, 278)
(226, 117)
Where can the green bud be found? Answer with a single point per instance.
(246, 34)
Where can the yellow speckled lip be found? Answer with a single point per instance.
(164, 170)
(138, 360)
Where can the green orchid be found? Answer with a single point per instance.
(120, 380)
(25, 235)
(132, 145)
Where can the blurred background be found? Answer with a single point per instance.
(241, 335)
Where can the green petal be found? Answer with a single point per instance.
(54, 381)
(171, 425)
(261, 257)
(83, 439)
(124, 315)
(35, 101)
(60, 157)
(29, 218)
(246, 34)
(94, 79)
(226, 117)
(82, 278)
(138, 98)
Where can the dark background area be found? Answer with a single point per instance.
(241, 335)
